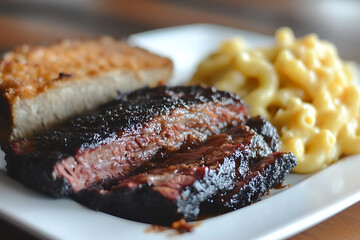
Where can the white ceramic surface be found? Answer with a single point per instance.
(309, 200)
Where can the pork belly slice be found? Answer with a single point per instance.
(230, 170)
(41, 86)
(121, 136)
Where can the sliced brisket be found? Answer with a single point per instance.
(121, 136)
(228, 171)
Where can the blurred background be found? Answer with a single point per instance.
(43, 21)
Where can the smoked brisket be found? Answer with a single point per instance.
(156, 156)
(112, 142)
(226, 172)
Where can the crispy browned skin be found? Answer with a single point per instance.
(28, 71)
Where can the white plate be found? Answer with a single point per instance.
(309, 200)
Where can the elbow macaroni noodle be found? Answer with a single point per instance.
(301, 86)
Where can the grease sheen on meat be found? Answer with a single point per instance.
(119, 137)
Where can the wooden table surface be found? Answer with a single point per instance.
(41, 21)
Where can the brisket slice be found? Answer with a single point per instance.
(228, 171)
(119, 137)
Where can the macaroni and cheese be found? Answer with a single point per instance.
(301, 86)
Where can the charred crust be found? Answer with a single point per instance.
(38, 174)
